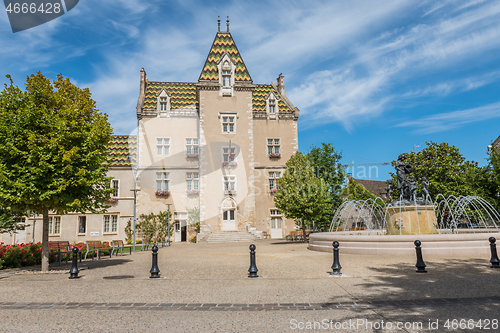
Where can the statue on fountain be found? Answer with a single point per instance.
(403, 169)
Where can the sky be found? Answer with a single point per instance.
(374, 78)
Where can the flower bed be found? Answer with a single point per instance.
(163, 193)
(14, 256)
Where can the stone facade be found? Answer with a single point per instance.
(217, 145)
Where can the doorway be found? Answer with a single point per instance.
(228, 212)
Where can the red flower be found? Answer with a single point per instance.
(25, 260)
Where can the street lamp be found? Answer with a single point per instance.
(135, 212)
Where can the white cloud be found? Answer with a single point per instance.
(451, 120)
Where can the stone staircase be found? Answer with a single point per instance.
(226, 236)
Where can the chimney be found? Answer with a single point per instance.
(143, 82)
(281, 84)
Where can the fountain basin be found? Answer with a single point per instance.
(411, 220)
(448, 245)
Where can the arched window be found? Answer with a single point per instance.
(226, 75)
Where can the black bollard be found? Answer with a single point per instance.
(336, 264)
(495, 262)
(252, 271)
(420, 262)
(155, 271)
(73, 272)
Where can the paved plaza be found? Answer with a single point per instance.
(204, 288)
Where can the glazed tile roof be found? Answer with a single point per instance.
(183, 95)
(223, 43)
(122, 150)
(259, 98)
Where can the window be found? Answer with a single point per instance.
(273, 177)
(110, 221)
(114, 186)
(228, 154)
(273, 147)
(192, 181)
(191, 146)
(82, 224)
(272, 106)
(163, 103)
(275, 212)
(54, 225)
(162, 181)
(229, 184)
(162, 146)
(228, 124)
(226, 75)
(276, 223)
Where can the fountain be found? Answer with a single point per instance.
(446, 226)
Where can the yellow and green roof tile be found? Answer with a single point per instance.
(260, 95)
(121, 150)
(223, 43)
(183, 95)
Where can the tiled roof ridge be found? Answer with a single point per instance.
(170, 82)
(219, 48)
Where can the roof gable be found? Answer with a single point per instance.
(223, 43)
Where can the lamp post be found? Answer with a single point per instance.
(135, 213)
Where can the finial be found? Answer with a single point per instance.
(218, 24)
(227, 22)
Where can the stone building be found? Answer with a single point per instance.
(216, 146)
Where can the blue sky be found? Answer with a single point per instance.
(375, 78)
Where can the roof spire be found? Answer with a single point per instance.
(227, 22)
(218, 23)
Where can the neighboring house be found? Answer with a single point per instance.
(375, 187)
(217, 145)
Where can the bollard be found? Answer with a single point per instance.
(155, 272)
(73, 272)
(420, 262)
(495, 262)
(252, 271)
(336, 264)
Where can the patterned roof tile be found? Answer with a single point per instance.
(259, 98)
(122, 150)
(183, 95)
(223, 43)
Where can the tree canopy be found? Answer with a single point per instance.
(447, 171)
(301, 195)
(354, 191)
(52, 150)
(326, 163)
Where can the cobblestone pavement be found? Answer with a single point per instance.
(294, 290)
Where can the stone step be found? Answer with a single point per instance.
(227, 237)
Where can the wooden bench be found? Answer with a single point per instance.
(145, 244)
(118, 245)
(95, 247)
(59, 248)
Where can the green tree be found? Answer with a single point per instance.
(52, 150)
(354, 191)
(155, 225)
(486, 180)
(10, 221)
(447, 171)
(301, 195)
(326, 163)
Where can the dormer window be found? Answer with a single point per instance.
(163, 103)
(272, 106)
(226, 75)
(226, 68)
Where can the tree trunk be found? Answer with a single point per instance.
(45, 240)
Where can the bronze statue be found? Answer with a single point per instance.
(389, 190)
(413, 188)
(423, 187)
(402, 171)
